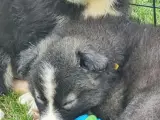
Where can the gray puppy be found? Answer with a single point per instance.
(135, 48)
(74, 74)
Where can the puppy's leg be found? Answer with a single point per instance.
(30, 102)
(20, 86)
(143, 107)
(112, 106)
(6, 75)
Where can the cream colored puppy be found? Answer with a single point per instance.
(97, 8)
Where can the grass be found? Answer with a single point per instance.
(145, 14)
(12, 109)
(15, 111)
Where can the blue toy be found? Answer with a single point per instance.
(87, 117)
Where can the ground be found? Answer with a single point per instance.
(14, 111)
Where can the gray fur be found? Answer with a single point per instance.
(136, 48)
(5, 68)
(118, 40)
(97, 86)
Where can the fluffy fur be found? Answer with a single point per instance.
(97, 8)
(134, 47)
(24, 24)
(80, 66)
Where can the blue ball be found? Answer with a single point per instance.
(82, 117)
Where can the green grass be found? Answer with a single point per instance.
(145, 14)
(12, 109)
(15, 111)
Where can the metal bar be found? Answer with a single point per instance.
(154, 12)
(144, 6)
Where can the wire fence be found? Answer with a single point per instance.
(153, 6)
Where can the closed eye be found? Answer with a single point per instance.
(70, 101)
(68, 105)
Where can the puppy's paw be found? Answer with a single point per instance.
(35, 114)
(1, 114)
(30, 102)
(26, 99)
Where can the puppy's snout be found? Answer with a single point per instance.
(70, 101)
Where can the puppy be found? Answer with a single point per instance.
(68, 71)
(26, 23)
(73, 61)
(137, 96)
(131, 93)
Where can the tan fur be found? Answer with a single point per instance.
(97, 8)
(36, 115)
(20, 86)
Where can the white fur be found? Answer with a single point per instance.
(48, 77)
(29, 101)
(51, 114)
(8, 76)
(26, 98)
(1, 114)
(83, 2)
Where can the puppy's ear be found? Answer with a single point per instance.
(92, 60)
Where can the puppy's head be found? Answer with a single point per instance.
(70, 79)
(97, 8)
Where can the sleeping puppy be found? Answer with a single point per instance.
(137, 95)
(71, 62)
(65, 75)
(68, 71)
(133, 96)
(24, 23)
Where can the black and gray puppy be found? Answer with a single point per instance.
(137, 96)
(65, 75)
(25, 23)
(71, 75)
(80, 68)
